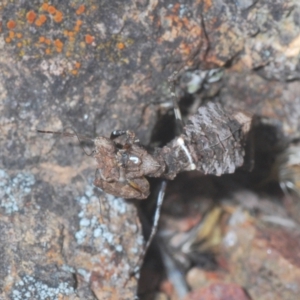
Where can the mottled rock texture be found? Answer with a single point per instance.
(103, 65)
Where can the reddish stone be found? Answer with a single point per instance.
(218, 291)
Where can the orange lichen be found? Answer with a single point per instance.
(80, 10)
(45, 6)
(89, 38)
(48, 51)
(11, 24)
(74, 72)
(77, 26)
(120, 46)
(19, 45)
(19, 35)
(72, 39)
(41, 20)
(38, 23)
(11, 34)
(31, 16)
(77, 65)
(59, 45)
(78, 22)
(47, 41)
(58, 17)
(42, 39)
(51, 10)
(71, 33)
(66, 32)
(7, 40)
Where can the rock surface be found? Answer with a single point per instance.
(96, 67)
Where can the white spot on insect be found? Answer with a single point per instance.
(193, 167)
(181, 144)
(195, 80)
(180, 141)
(214, 75)
(134, 159)
(177, 111)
